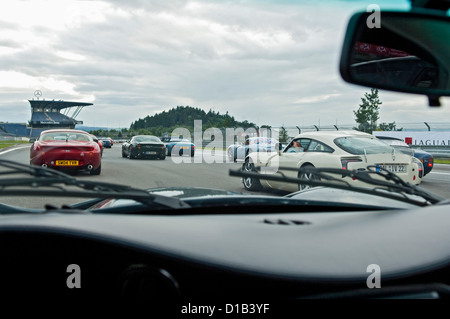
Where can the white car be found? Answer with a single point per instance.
(351, 150)
(252, 144)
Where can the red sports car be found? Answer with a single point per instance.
(66, 149)
(99, 142)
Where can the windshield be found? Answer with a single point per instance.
(200, 73)
(63, 136)
(230, 158)
(140, 139)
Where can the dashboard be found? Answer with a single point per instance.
(251, 257)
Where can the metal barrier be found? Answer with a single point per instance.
(436, 151)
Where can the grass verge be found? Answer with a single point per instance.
(441, 161)
(4, 144)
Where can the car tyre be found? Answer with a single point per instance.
(250, 183)
(96, 171)
(123, 154)
(307, 176)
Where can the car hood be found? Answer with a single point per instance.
(176, 192)
(324, 196)
(334, 195)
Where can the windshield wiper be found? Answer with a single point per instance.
(391, 186)
(49, 182)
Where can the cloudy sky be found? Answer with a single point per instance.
(268, 62)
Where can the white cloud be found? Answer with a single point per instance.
(270, 62)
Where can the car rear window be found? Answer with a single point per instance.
(362, 145)
(147, 139)
(65, 136)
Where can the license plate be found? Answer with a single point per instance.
(393, 168)
(185, 147)
(150, 153)
(66, 163)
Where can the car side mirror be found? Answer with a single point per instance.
(405, 52)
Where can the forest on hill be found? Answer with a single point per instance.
(184, 116)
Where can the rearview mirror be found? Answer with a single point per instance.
(408, 52)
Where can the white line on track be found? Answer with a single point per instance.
(13, 149)
(441, 173)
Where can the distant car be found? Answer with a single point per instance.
(144, 146)
(106, 143)
(99, 142)
(111, 140)
(252, 144)
(66, 149)
(348, 150)
(426, 158)
(178, 146)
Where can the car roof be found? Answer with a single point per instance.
(65, 130)
(381, 137)
(147, 136)
(332, 134)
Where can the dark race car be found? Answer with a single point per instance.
(106, 143)
(425, 157)
(144, 146)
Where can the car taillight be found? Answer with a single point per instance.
(139, 146)
(430, 162)
(345, 161)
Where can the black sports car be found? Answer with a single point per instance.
(144, 146)
(426, 158)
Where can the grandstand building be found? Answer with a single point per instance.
(46, 115)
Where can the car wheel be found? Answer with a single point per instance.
(307, 176)
(96, 171)
(163, 157)
(123, 154)
(250, 183)
(167, 152)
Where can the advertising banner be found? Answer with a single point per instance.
(419, 138)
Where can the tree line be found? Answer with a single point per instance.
(366, 117)
(184, 116)
(180, 116)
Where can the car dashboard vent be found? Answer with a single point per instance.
(286, 222)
